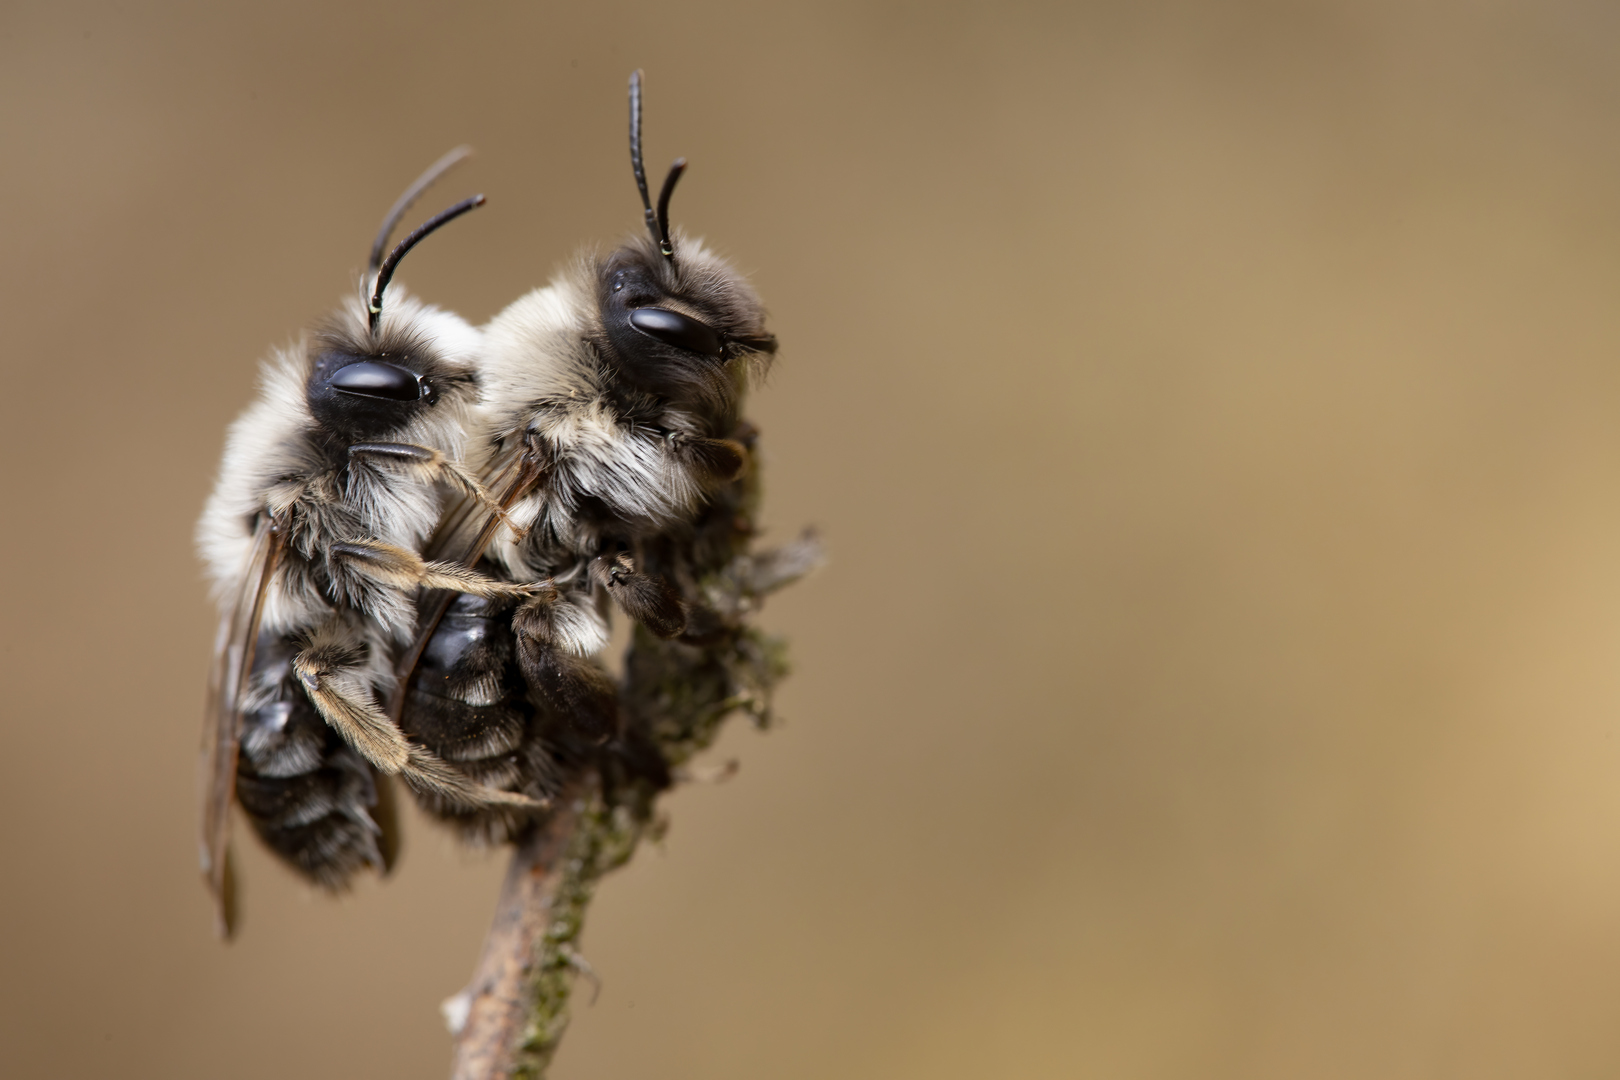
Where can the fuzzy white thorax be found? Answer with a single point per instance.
(542, 377)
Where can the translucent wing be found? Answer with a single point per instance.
(467, 526)
(222, 721)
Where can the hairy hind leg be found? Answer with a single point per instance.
(332, 668)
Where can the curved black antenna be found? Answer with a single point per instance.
(385, 273)
(412, 193)
(675, 171)
(635, 152)
(657, 223)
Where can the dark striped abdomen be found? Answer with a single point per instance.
(469, 704)
(307, 793)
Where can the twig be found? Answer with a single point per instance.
(509, 1020)
(489, 1013)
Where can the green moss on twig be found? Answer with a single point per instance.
(604, 838)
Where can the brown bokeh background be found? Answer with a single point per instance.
(1214, 415)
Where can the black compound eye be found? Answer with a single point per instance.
(371, 379)
(673, 328)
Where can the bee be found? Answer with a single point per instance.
(610, 421)
(330, 484)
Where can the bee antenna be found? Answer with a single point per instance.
(385, 272)
(412, 193)
(674, 176)
(657, 223)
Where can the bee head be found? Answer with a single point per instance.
(363, 388)
(680, 323)
(368, 379)
(364, 385)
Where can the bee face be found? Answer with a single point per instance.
(658, 342)
(367, 396)
(679, 330)
(636, 304)
(408, 380)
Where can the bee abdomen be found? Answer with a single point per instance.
(462, 731)
(469, 704)
(308, 795)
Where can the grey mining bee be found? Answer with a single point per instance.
(611, 434)
(330, 485)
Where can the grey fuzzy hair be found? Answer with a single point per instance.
(544, 378)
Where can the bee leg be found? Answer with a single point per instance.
(432, 464)
(432, 775)
(553, 636)
(332, 674)
(401, 568)
(718, 460)
(644, 597)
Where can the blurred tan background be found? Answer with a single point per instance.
(1214, 414)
